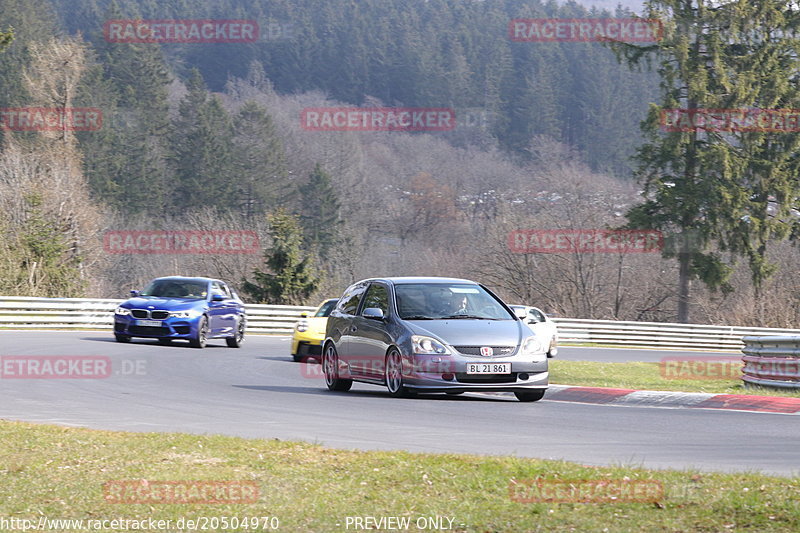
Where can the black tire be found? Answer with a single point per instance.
(122, 338)
(165, 341)
(237, 340)
(330, 367)
(550, 349)
(298, 358)
(393, 375)
(200, 339)
(532, 396)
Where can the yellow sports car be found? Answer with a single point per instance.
(310, 332)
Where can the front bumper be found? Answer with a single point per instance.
(170, 328)
(522, 377)
(434, 373)
(307, 343)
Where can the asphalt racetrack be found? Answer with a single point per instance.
(258, 391)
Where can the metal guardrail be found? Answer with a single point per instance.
(772, 361)
(20, 312)
(659, 334)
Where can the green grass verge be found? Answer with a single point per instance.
(60, 472)
(648, 376)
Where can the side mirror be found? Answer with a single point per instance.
(304, 314)
(134, 294)
(217, 297)
(373, 312)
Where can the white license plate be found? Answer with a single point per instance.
(488, 368)
(155, 323)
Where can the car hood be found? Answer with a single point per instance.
(169, 304)
(317, 325)
(462, 332)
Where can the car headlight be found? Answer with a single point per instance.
(181, 314)
(301, 326)
(122, 311)
(532, 347)
(429, 345)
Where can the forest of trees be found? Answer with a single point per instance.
(207, 136)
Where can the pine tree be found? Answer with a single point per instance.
(203, 150)
(706, 187)
(290, 276)
(260, 159)
(320, 211)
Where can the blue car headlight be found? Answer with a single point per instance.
(122, 311)
(182, 314)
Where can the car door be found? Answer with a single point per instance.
(342, 321)
(370, 338)
(222, 309)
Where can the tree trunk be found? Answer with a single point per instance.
(684, 285)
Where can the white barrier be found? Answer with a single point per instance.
(659, 334)
(20, 312)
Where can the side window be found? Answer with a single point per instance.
(537, 315)
(217, 289)
(351, 299)
(377, 296)
(225, 290)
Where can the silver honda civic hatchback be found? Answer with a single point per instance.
(418, 334)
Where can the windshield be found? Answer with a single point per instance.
(326, 308)
(438, 301)
(171, 288)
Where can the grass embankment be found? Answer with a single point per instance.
(695, 376)
(60, 473)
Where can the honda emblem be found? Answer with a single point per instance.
(487, 351)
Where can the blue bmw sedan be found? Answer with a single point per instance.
(193, 309)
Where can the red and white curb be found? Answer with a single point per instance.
(691, 400)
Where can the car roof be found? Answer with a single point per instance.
(403, 280)
(186, 278)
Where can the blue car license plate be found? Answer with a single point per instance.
(153, 323)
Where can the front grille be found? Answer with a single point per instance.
(487, 378)
(144, 313)
(149, 330)
(476, 350)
